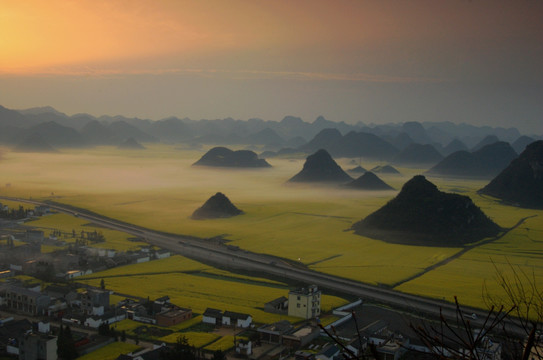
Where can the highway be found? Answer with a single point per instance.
(235, 258)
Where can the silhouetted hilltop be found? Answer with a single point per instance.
(369, 181)
(520, 144)
(320, 167)
(401, 141)
(217, 206)
(422, 215)
(362, 144)
(353, 144)
(486, 162)
(58, 135)
(170, 129)
(224, 157)
(454, 146)
(359, 169)
(97, 133)
(123, 130)
(489, 139)
(34, 143)
(131, 144)
(323, 140)
(521, 182)
(384, 169)
(417, 154)
(416, 131)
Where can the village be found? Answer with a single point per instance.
(34, 316)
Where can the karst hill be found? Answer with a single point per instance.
(369, 181)
(131, 144)
(321, 168)
(422, 215)
(224, 157)
(521, 183)
(486, 162)
(217, 206)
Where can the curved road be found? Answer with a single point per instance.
(233, 257)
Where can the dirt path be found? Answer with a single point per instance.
(460, 253)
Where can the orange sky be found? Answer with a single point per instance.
(484, 41)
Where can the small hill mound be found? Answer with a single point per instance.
(422, 215)
(359, 169)
(217, 206)
(386, 169)
(417, 154)
(224, 157)
(522, 181)
(320, 167)
(34, 143)
(369, 181)
(131, 144)
(484, 163)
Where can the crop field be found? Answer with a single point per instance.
(110, 352)
(159, 189)
(114, 240)
(200, 291)
(179, 264)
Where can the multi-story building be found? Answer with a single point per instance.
(94, 298)
(36, 346)
(305, 302)
(23, 300)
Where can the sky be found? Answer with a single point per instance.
(478, 61)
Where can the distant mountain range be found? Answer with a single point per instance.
(487, 162)
(382, 142)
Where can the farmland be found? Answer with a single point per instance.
(199, 291)
(157, 188)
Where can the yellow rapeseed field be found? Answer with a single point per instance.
(159, 189)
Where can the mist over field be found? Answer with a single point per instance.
(159, 188)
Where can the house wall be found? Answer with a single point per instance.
(209, 320)
(302, 305)
(163, 320)
(244, 323)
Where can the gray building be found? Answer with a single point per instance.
(23, 300)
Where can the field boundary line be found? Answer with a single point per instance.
(460, 253)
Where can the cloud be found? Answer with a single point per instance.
(88, 71)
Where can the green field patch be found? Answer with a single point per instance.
(110, 351)
(69, 224)
(199, 293)
(224, 343)
(196, 339)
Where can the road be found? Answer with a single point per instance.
(232, 257)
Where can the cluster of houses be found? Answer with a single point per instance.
(304, 341)
(27, 340)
